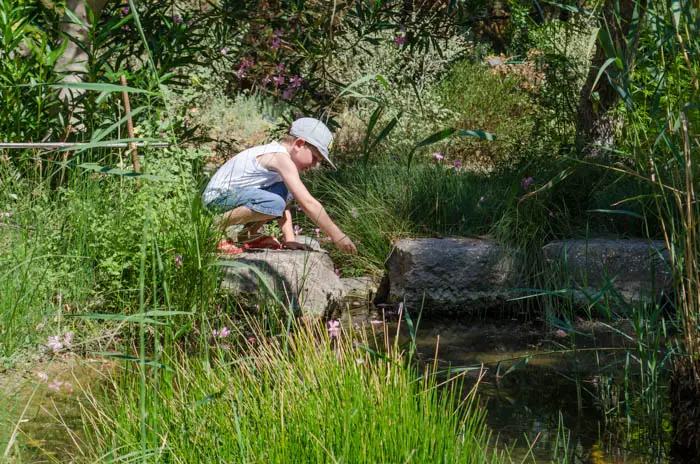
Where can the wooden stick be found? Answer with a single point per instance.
(50, 145)
(130, 127)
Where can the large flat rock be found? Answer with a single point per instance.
(453, 274)
(304, 278)
(635, 269)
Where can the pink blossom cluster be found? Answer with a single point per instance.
(223, 333)
(245, 65)
(55, 384)
(57, 343)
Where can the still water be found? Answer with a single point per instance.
(547, 391)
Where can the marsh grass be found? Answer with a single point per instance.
(305, 396)
(380, 203)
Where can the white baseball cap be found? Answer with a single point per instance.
(316, 133)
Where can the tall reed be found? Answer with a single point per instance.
(661, 116)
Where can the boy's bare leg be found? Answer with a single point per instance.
(245, 216)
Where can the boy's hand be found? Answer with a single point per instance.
(346, 245)
(291, 245)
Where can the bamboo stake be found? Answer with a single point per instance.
(130, 127)
(54, 145)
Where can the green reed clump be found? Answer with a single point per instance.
(380, 203)
(312, 395)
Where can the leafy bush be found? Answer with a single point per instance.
(27, 57)
(409, 73)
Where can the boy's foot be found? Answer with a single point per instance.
(228, 247)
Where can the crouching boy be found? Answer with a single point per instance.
(257, 185)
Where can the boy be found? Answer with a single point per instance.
(257, 184)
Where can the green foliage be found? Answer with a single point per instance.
(477, 98)
(27, 58)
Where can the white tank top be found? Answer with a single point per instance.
(243, 170)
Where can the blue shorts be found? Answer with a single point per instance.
(271, 200)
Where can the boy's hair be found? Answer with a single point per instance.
(290, 139)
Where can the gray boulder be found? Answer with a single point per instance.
(306, 279)
(453, 274)
(636, 269)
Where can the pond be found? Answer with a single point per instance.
(547, 388)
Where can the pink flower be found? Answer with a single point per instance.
(251, 340)
(295, 81)
(224, 51)
(525, 182)
(42, 376)
(245, 64)
(225, 332)
(178, 261)
(177, 19)
(560, 333)
(125, 11)
(317, 232)
(276, 42)
(297, 229)
(278, 80)
(280, 67)
(55, 385)
(333, 328)
(337, 272)
(458, 164)
(400, 40)
(266, 80)
(437, 156)
(54, 344)
(287, 94)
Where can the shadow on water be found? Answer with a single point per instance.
(546, 388)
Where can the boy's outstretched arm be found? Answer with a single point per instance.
(312, 207)
(289, 237)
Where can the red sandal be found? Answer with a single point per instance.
(265, 241)
(228, 247)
